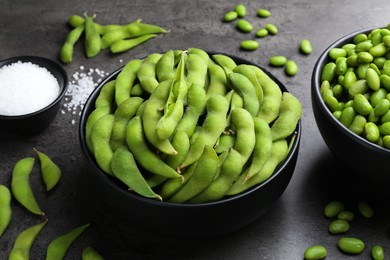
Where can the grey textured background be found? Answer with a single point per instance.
(296, 220)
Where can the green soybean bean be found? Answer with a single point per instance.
(124, 112)
(386, 40)
(225, 142)
(365, 209)
(377, 253)
(165, 66)
(241, 10)
(224, 61)
(243, 124)
(244, 26)
(272, 96)
(362, 105)
(386, 68)
(341, 66)
(290, 113)
(66, 52)
(262, 149)
(330, 100)
(347, 116)
(263, 13)
(230, 170)
(372, 133)
(218, 80)
(147, 72)
(179, 86)
(51, 172)
(92, 118)
(386, 117)
(325, 85)
(271, 28)
(338, 91)
(262, 32)
(249, 72)
(244, 87)
(106, 95)
(315, 252)
(349, 79)
(377, 96)
(150, 161)
(333, 208)
(93, 40)
(328, 72)
(196, 70)
(5, 208)
(358, 87)
(357, 125)
(361, 37)
(291, 68)
(100, 139)
(363, 46)
(230, 16)
(126, 170)
(379, 61)
(346, 215)
(338, 226)
(305, 46)
(212, 127)
(382, 107)
(127, 44)
(335, 53)
(365, 57)
(89, 253)
(385, 81)
(384, 129)
(20, 185)
(277, 61)
(352, 61)
(24, 241)
(204, 173)
(373, 118)
(249, 45)
(378, 50)
(124, 82)
(361, 70)
(58, 247)
(278, 154)
(351, 245)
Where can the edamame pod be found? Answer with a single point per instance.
(51, 173)
(225, 142)
(248, 72)
(181, 143)
(24, 241)
(92, 118)
(290, 113)
(147, 72)
(90, 253)
(196, 70)
(204, 55)
(125, 80)
(145, 157)
(5, 208)
(204, 173)
(243, 124)
(165, 67)
(58, 247)
(20, 185)
(126, 170)
(218, 80)
(127, 44)
(66, 52)
(93, 41)
(106, 95)
(168, 122)
(171, 186)
(225, 62)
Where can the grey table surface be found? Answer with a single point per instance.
(295, 222)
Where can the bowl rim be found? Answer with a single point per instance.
(315, 88)
(37, 60)
(294, 148)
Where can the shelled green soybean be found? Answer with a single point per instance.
(355, 84)
(201, 124)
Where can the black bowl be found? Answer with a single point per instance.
(188, 220)
(366, 160)
(35, 122)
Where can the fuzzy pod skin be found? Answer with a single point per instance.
(5, 208)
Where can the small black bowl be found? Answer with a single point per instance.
(37, 121)
(366, 160)
(188, 220)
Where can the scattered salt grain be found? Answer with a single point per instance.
(26, 88)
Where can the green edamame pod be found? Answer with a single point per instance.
(218, 80)
(225, 142)
(165, 66)
(196, 70)
(230, 170)
(147, 72)
(249, 72)
(171, 186)
(126, 170)
(24, 241)
(213, 126)
(272, 96)
(51, 173)
(204, 173)
(181, 143)
(225, 62)
(100, 139)
(127, 44)
(244, 87)
(5, 208)
(20, 185)
(290, 113)
(90, 253)
(278, 154)
(205, 56)
(262, 149)
(106, 95)
(145, 157)
(125, 80)
(92, 118)
(66, 52)
(93, 41)
(167, 124)
(125, 111)
(243, 124)
(58, 247)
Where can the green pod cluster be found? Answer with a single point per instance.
(202, 129)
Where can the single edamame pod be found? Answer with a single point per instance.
(165, 66)
(243, 124)
(315, 252)
(92, 38)
(173, 185)
(218, 80)
(196, 70)
(66, 52)
(89, 253)
(51, 173)
(127, 44)
(106, 95)
(58, 247)
(5, 208)
(249, 72)
(24, 241)
(168, 122)
(92, 118)
(20, 185)
(124, 82)
(181, 143)
(147, 72)
(351, 245)
(226, 62)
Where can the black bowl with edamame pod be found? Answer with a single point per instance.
(187, 220)
(35, 121)
(366, 159)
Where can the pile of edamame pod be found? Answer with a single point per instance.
(189, 127)
(355, 85)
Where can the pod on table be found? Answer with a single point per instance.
(89, 253)
(5, 208)
(66, 52)
(51, 172)
(127, 44)
(218, 80)
(93, 40)
(165, 67)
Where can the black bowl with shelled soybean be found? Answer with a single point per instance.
(355, 136)
(191, 220)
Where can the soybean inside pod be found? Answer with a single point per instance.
(188, 100)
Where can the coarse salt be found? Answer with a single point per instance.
(26, 88)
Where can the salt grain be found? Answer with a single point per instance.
(26, 88)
